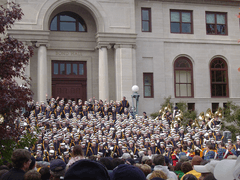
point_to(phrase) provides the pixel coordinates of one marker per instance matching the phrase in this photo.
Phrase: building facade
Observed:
(100, 48)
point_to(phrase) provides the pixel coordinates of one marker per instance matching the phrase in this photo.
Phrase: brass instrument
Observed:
(197, 148)
(208, 114)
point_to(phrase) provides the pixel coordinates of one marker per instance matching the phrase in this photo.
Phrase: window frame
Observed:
(78, 76)
(215, 17)
(184, 69)
(219, 69)
(78, 19)
(152, 85)
(150, 19)
(180, 11)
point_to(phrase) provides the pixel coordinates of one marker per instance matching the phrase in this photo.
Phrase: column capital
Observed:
(38, 44)
(99, 46)
(116, 46)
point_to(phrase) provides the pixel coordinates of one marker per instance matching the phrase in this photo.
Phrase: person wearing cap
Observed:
(57, 169)
(238, 147)
(229, 151)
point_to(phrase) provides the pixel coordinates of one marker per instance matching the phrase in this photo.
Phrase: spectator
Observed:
(33, 163)
(3, 171)
(197, 160)
(210, 177)
(57, 169)
(21, 160)
(190, 177)
(32, 175)
(45, 173)
(146, 169)
(159, 163)
(148, 162)
(186, 167)
(117, 162)
(159, 174)
(144, 159)
(178, 171)
(87, 170)
(77, 155)
(206, 169)
(127, 172)
(106, 162)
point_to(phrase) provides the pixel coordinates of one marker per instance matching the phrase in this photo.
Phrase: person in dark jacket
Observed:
(21, 160)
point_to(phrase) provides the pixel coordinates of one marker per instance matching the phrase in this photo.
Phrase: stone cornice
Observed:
(215, 2)
(30, 35)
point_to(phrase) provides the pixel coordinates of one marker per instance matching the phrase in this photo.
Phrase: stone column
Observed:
(124, 67)
(103, 73)
(42, 72)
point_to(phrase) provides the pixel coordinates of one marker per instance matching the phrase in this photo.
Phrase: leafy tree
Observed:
(231, 119)
(14, 57)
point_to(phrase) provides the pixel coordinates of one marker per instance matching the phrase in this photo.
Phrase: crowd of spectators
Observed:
(24, 167)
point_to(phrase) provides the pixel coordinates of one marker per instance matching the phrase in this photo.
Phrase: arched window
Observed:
(183, 77)
(219, 78)
(68, 21)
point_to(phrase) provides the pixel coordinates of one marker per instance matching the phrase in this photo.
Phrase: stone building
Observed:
(186, 49)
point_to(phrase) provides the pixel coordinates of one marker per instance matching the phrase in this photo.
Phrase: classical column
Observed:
(103, 73)
(125, 68)
(42, 72)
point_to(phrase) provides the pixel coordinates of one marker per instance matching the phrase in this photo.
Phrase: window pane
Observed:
(145, 15)
(66, 18)
(219, 90)
(189, 90)
(177, 90)
(175, 17)
(55, 68)
(147, 91)
(213, 89)
(75, 69)
(68, 69)
(145, 26)
(219, 76)
(186, 17)
(147, 80)
(175, 27)
(67, 26)
(53, 26)
(221, 29)
(81, 28)
(177, 76)
(186, 28)
(189, 77)
(210, 29)
(211, 18)
(183, 77)
(81, 69)
(62, 68)
(220, 19)
(183, 89)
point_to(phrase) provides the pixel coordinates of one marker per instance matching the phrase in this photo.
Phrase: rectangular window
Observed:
(181, 21)
(215, 107)
(146, 20)
(148, 85)
(75, 67)
(216, 23)
(68, 69)
(62, 68)
(191, 106)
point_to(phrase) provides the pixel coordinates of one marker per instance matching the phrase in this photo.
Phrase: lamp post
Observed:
(135, 96)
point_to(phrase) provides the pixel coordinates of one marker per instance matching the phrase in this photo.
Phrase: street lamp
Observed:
(135, 96)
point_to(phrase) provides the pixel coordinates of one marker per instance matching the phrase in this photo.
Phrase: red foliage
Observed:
(14, 56)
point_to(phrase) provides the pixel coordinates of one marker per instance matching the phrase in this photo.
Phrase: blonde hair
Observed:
(159, 174)
(146, 169)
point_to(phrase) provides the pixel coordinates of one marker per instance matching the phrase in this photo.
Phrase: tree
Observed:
(14, 57)
(231, 119)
